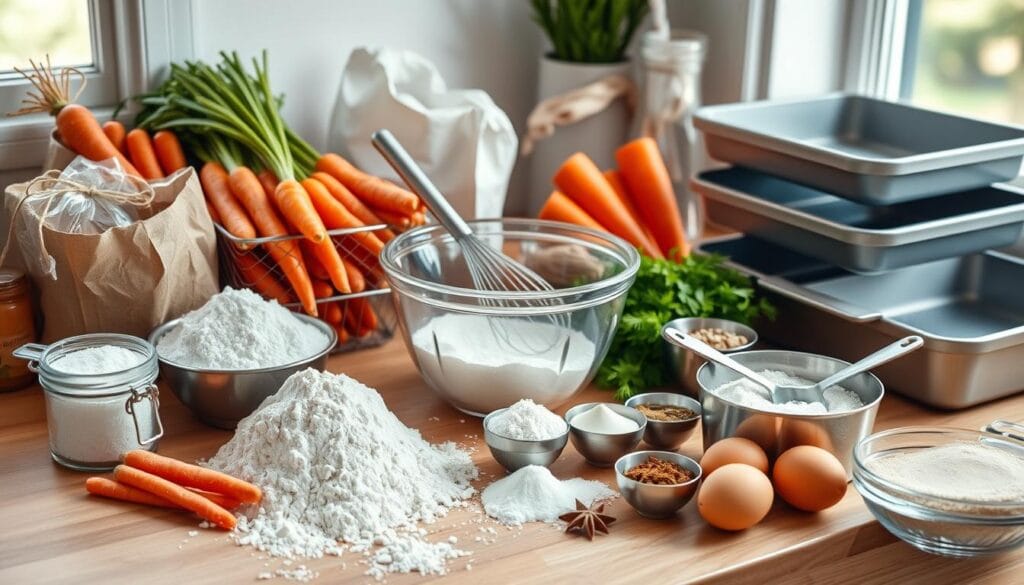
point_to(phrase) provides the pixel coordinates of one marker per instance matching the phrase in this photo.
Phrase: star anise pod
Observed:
(587, 520)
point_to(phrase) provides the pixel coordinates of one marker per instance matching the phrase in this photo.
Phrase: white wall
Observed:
(487, 44)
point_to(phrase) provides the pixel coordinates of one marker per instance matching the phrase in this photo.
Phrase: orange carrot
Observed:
(560, 208)
(418, 218)
(353, 204)
(342, 333)
(230, 214)
(313, 266)
(175, 494)
(193, 476)
(581, 180)
(115, 133)
(374, 191)
(140, 150)
(396, 220)
(322, 289)
(614, 179)
(360, 318)
(108, 488)
(336, 216)
(168, 151)
(79, 131)
(269, 181)
(356, 280)
(294, 204)
(258, 277)
(327, 251)
(332, 314)
(214, 216)
(644, 173)
(249, 192)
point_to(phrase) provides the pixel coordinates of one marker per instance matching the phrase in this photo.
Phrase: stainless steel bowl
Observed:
(836, 432)
(684, 364)
(516, 453)
(668, 435)
(603, 449)
(221, 398)
(651, 500)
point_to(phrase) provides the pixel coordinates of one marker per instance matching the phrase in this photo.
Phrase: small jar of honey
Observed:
(17, 327)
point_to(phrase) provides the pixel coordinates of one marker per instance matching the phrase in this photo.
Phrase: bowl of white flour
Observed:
(485, 350)
(732, 406)
(223, 359)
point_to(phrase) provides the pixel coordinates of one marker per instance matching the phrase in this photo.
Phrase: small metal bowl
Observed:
(516, 453)
(684, 363)
(668, 435)
(652, 500)
(221, 398)
(602, 449)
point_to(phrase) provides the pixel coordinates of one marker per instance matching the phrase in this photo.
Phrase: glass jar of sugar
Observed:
(101, 397)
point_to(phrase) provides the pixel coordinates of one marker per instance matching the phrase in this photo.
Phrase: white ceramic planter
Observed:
(598, 136)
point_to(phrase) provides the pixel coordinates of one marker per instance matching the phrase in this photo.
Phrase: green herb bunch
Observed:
(589, 31)
(700, 286)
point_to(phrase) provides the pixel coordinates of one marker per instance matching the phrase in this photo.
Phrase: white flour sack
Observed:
(336, 465)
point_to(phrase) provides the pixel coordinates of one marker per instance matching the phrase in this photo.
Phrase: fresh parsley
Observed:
(700, 286)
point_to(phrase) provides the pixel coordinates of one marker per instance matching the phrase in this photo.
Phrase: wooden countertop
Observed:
(52, 532)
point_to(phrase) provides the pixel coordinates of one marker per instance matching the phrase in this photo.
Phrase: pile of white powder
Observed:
(749, 393)
(527, 421)
(239, 330)
(103, 359)
(533, 494)
(335, 464)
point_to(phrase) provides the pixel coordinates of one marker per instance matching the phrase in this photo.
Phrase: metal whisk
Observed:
(489, 268)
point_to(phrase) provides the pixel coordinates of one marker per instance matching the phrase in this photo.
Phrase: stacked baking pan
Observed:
(868, 220)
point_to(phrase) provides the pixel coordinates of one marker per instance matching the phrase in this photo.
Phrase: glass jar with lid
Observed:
(17, 327)
(101, 397)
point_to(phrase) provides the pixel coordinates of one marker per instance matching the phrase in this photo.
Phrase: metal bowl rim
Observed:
(332, 337)
(873, 404)
(621, 475)
(696, 411)
(488, 431)
(568, 419)
(753, 338)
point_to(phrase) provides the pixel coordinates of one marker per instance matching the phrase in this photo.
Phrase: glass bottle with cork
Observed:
(17, 327)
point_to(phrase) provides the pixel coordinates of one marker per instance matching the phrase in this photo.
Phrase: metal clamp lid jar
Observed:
(93, 418)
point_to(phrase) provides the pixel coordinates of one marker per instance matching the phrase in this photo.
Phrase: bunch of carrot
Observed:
(263, 180)
(635, 201)
(155, 480)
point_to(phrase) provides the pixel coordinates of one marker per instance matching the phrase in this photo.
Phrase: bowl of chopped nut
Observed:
(657, 483)
(722, 334)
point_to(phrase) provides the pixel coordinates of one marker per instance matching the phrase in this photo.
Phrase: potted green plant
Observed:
(588, 42)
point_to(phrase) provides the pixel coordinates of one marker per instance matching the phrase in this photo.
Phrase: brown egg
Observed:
(734, 450)
(762, 429)
(736, 497)
(809, 478)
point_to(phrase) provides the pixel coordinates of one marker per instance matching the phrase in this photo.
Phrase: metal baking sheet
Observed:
(967, 309)
(861, 148)
(862, 238)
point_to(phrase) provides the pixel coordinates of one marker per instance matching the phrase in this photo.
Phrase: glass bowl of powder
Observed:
(952, 492)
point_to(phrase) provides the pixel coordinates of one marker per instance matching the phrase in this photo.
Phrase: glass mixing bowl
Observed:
(484, 350)
(940, 525)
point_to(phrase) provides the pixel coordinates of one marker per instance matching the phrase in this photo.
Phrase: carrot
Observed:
(108, 488)
(614, 179)
(79, 131)
(168, 151)
(322, 289)
(418, 218)
(115, 133)
(360, 318)
(268, 180)
(214, 216)
(313, 266)
(258, 277)
(342, 334)
(175, 494)
(140, 150)
(353, 204)
(332, 314)
(214, 180)
(327, 251)
(581, 181)
(356, 280)
(393, 219)
(560, 208)
(249, 192)
(336, 216)
(644, 173)
(374, 191)
(294, 204)
(193, 476)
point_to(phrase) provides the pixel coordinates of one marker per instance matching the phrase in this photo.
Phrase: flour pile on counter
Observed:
(335, 464)
(533, 494)
(527, 421)
(105, 359)
(748, 393)
(239, 330)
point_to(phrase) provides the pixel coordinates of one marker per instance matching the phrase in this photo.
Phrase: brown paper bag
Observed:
(130, 279)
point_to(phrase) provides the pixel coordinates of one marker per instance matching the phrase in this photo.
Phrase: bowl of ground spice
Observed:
(722, 334)
(657, 483)
(671, 418)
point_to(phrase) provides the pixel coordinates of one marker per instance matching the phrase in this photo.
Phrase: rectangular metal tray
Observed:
(858, 237)
(861, 148)
(968, 310)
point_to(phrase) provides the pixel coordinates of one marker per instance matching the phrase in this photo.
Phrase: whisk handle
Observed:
(400, 160)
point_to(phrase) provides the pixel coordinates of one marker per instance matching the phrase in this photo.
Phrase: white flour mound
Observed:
(240, 330)
(533, 494)
(336, 465)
